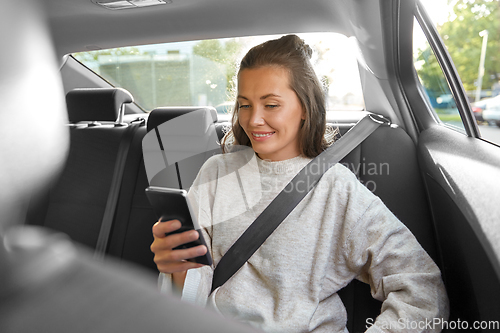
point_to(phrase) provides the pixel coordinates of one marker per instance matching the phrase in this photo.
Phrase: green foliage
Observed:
(211, 49)
(430, 73)
(226, 53)
(461, 37)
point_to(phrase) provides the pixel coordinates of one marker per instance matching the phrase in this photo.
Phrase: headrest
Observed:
(160, 115)
(176, 134)
(96, 104)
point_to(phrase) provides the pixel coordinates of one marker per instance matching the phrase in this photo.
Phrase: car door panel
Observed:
(465, 219)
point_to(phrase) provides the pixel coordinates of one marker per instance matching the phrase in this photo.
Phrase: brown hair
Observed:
(291, 53)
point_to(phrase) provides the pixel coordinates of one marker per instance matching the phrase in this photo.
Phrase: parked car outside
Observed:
(478, 108)
(491, 112)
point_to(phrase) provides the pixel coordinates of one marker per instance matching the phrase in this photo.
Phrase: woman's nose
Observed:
(257, 117)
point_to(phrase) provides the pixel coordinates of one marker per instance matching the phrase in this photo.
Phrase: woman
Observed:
(340, 230)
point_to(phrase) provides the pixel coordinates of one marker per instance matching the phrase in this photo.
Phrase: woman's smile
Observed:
(261, 136)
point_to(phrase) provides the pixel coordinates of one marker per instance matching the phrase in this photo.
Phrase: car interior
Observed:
(442, 183)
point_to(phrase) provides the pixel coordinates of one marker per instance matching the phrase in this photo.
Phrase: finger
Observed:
(172, 256)
(185, 254)
(162, 228)
(175, 240)
(171, 261)
(162, 246)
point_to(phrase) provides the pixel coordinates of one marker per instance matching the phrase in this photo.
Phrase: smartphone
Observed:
(173, 204)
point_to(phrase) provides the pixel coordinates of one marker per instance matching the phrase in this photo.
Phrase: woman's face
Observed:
(270, 112)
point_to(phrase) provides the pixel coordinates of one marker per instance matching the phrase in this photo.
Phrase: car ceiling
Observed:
(81, 25)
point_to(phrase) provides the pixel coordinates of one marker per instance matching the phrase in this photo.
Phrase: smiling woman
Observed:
(340, 231)
(436, 174)
(281, 102)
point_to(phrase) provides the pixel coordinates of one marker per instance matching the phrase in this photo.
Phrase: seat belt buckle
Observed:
(380, 119)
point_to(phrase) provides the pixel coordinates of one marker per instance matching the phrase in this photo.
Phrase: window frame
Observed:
(448, 68)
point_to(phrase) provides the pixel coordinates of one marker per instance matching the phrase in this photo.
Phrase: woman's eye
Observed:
(244, 106)
(272, 106)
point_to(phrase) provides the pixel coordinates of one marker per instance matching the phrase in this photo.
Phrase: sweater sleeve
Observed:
(385, 254)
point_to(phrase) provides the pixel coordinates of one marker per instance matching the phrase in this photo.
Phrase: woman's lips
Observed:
(262, 136)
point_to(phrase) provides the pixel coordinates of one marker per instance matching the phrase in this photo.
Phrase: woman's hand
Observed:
(175, 261)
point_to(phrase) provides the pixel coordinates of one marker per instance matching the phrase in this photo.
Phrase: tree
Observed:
(461, 37)
(227, 53)
(211, 49)
(430, 73)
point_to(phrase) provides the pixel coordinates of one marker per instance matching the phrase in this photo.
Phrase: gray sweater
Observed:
(339, 232)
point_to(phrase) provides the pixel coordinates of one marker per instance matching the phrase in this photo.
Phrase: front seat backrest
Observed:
(179, 141)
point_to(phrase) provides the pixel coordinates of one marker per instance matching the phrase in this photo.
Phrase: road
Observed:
(490, 133)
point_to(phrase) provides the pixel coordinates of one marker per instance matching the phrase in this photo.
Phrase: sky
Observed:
(437, 9)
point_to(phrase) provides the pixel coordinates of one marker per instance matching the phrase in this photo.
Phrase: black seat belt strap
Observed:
(289, 198)
(114, 191)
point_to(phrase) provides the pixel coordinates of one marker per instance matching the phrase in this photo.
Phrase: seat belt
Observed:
(114, 191)
(286, 201)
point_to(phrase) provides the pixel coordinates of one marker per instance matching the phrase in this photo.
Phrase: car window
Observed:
(434, 82)
(203, 72)
(470, 31)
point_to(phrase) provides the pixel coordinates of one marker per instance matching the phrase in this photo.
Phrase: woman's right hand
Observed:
(173, 261)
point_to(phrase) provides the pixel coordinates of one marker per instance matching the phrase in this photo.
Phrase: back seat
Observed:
(76, 203)
(386, 163)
